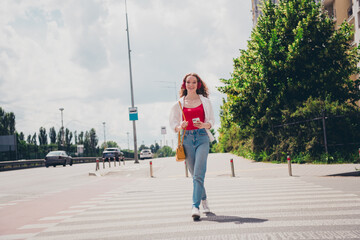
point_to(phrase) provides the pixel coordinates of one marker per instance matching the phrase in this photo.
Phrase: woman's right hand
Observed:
(183, 124)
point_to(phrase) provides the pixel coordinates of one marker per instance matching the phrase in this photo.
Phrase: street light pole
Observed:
(62, 126)
(131, 87)
(128, 140)
(104, 136)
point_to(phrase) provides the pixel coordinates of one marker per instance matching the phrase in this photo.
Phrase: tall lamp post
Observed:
(128, 140)
(62, 126)
(131, 87)
(104, 136)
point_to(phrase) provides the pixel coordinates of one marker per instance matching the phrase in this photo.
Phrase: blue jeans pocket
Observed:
(202, 132)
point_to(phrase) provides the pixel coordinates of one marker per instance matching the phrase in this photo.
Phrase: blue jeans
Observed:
(196, 146)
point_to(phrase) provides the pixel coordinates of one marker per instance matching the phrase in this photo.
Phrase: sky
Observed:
(74, 55)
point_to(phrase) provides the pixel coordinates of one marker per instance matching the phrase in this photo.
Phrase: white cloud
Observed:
(73, 54)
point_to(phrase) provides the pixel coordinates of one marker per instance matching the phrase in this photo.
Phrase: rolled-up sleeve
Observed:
(211, 119)
(209, 112)
(175, 116)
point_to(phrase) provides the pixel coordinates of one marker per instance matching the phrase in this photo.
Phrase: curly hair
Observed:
(203, 90)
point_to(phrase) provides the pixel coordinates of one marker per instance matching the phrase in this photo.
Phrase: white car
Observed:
(146, 153)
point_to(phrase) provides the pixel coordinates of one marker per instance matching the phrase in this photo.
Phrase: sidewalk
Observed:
(219, 165)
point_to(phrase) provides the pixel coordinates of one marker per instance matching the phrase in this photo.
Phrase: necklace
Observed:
(191, 103)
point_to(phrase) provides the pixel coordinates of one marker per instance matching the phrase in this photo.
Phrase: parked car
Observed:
(110, 153)
(54, 158)
(146, 153)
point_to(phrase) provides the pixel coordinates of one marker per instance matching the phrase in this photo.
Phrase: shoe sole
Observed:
(195, 217)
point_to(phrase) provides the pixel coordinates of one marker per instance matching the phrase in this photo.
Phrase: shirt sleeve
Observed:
(209, 113)
(175, 116)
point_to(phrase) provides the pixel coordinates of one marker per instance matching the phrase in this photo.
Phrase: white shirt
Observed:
(176, 114)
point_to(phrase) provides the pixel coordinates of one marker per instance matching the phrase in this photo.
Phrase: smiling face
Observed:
(191, 84)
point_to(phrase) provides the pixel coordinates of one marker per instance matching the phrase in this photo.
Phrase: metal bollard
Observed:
(114, 161)
(232, 168)
(186, 170)
(103, 163)
(289, 165)
(109, 162)
(151, 170)
(97, 165)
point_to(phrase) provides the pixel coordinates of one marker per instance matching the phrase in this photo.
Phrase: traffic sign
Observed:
(133, 113)
(163, 130)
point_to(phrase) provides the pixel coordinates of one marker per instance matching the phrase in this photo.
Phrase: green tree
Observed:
(81, 138)
(213, 144)
(75, 137)
(33, 139)
(60, 136)
(7, 123)
(154, 148)
(28, 139)
(87, 146)
(90, 142)
(109, 144)
(21, 136)
(43, 136)
(165, 151)
(93, 139)
(52, 135)
(68, 137)
(143, 147)
(294, 54)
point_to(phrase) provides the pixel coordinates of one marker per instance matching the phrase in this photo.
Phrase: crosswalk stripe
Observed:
(260, 209)
(141, 230)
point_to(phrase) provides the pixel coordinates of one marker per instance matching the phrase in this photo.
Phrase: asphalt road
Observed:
(261, 202)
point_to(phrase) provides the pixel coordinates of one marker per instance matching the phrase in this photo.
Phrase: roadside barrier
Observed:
(289, 165)
(35, 163)
(103, 161)
(186, 170)
(151, 170)
(232, 168)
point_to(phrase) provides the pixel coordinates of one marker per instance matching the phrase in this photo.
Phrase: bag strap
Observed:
(185, 127)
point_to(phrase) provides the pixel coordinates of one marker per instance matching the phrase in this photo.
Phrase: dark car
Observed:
(111, 153)
(54, 158)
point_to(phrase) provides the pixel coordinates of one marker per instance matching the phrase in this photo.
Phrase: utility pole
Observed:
(104, 136)
(128, 140)
(324, 130)
(131, 87)
(62, 127)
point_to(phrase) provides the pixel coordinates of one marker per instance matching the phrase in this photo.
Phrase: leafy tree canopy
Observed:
(294, 53)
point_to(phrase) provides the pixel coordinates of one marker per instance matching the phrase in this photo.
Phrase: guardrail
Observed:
(22, 164)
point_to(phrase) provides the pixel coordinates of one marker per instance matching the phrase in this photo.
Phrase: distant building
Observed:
(347, 10)
(256, 12)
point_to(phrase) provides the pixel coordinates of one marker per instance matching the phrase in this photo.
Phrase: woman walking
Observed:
(199, 118)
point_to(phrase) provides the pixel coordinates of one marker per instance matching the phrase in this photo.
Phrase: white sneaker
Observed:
(195, 213)
(205, 205)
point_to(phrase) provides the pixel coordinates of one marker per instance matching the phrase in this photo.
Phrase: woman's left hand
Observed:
(200, 124)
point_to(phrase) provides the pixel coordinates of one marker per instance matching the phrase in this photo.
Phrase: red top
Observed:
(190, 113)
